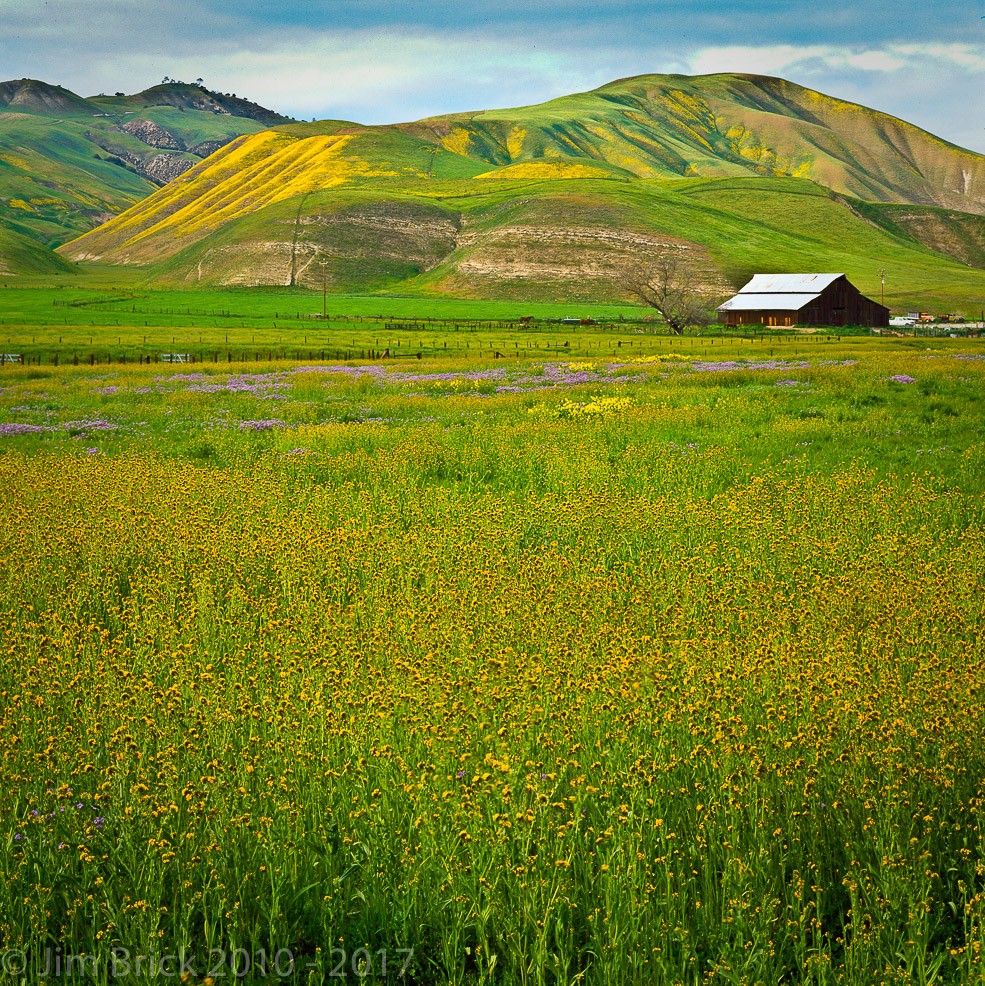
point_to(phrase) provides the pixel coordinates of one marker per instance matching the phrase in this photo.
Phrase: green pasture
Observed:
(456, 385)
(113, 322)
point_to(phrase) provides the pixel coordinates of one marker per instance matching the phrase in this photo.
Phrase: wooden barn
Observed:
(802, 299)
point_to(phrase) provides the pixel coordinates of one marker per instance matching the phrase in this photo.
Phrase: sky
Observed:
(388, 61)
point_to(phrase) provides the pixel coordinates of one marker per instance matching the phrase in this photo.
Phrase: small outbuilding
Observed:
(802, 299)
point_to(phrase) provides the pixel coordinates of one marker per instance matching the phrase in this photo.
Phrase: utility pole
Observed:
(324, 288)
(882, 289)
(434, 150)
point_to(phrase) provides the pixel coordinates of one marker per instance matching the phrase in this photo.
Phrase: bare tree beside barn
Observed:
(671, 283)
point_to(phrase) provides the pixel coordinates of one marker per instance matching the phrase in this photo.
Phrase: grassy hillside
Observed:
(258, 171)
(182, 97)
(67, 163)
(727, 125)
(956, 234)
(55, 182)
(271, 209)
(21, 254)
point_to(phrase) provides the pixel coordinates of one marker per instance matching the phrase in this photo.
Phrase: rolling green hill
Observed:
(551, 201)
(21, 254)
(68, 163)
(548, 239)
(956, 234)
(727, 125)
(747, 173)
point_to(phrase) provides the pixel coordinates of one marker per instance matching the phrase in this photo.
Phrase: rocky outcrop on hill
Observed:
(159, 168)
(208, 147)
(153, 135)
(57, 150)
(163, 168)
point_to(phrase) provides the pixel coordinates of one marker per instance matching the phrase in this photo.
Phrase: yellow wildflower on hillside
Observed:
(514, 142)
(458, 141)
(545, 171)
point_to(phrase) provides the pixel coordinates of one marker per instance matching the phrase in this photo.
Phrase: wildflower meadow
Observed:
(651, 670)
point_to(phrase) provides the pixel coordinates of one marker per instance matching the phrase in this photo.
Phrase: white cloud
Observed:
(872, 61)
(777, 59)
(965, 55)
(369, 76)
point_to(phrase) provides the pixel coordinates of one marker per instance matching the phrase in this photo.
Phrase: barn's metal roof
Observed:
(789, 283)
(743, 302)
(778, 292)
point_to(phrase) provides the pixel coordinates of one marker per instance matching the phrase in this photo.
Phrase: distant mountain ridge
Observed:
(68, 162)
(34, 96)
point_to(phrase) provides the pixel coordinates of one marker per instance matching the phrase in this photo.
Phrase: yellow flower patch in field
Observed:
(579, 689)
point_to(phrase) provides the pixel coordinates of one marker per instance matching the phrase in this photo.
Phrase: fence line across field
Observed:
(696, 346)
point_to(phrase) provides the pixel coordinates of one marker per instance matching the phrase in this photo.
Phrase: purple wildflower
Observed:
(267, 424)
(15, 428)
(96, 424)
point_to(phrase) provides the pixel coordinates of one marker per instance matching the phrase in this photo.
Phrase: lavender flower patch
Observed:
(87, 427)
(183, 378)
(263, 425)
(562, 375)
(731, 365)
(902, 378)
(683, 450)
(36, 411)
(15, 428)
(545, 376)
(257, 384)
